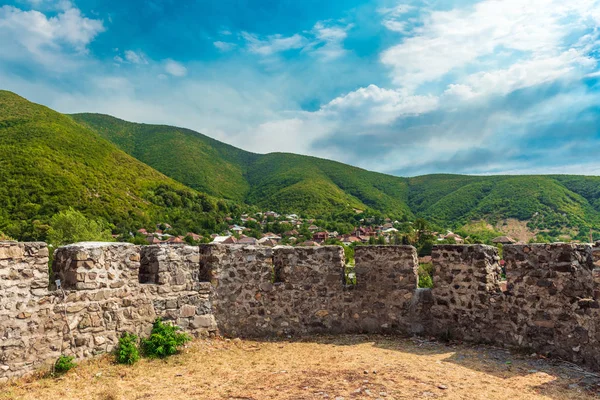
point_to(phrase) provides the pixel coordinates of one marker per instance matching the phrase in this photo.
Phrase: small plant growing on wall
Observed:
(127, 350)
(426, 275)
(64, 364)
(164, 340)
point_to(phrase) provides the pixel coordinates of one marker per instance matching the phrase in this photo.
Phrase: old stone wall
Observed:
(466, 287)
(549, 304)
(29, 330)
(260, 291)
(101, 297)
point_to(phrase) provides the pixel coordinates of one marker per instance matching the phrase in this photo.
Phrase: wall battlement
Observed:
(549, 305)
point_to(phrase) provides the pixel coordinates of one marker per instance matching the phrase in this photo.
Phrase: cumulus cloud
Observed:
(459, 38)
(374, 105)
(40, 36)
(174, 68)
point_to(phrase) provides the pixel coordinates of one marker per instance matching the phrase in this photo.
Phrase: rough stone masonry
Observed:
(550, 304)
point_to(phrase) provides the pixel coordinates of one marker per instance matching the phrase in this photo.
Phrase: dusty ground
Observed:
(347, 367)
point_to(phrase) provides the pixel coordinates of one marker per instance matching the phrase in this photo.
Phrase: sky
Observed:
(401, 87)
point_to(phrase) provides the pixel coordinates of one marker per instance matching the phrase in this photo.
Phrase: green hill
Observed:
(286, 182)
(48, 162)
(135, 174)
(547, 202)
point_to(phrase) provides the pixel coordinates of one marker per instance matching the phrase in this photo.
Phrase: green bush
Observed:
(164, 340)
(64, 364)
(127, 350)
(426, 275)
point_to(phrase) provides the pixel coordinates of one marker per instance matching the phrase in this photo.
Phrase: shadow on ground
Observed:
(562, 378)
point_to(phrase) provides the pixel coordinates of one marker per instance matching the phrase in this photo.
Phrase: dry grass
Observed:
(516, 229)
(352, 367)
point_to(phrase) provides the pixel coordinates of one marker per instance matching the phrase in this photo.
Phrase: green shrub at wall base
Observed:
(164, 340)
(64, 364)
(127, 350)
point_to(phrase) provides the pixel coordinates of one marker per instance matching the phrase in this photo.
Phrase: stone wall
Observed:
(259, 291)
(29, 330)
(101, 297)
(549, 305)
(466, 287)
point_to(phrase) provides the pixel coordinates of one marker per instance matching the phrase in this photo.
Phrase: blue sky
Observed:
(402, 87)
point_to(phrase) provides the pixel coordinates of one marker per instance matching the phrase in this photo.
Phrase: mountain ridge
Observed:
(131, 174)
(291, 182)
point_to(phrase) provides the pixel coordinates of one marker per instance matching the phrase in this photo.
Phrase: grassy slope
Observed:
(191, 158)
(288, 182)
(49, 162)
(548, 201)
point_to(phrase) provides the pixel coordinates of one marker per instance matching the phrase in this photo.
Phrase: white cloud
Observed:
(36, 30)
(174, 68)
(135, 58)
(273, 44)
(224, 46)
(450, 40)
(521, 75)
(48, 39)
(375, 105)
(394, 17)
(328, 40)
(324, 40)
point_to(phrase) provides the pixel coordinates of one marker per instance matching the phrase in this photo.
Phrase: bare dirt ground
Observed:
(346, 367)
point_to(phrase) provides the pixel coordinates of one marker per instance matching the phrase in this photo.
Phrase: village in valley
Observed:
(293, 230)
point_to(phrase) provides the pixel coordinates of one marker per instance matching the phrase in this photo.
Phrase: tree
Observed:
(70, 226)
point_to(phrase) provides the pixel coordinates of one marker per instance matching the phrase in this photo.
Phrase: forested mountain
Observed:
(289, 182)
(49, 162)
(132, 175)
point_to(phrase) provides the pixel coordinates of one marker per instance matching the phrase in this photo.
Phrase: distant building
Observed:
(225, 240)
(247, 240)
(350, 239)
(195, 237)
(152, 240)
(320, 236)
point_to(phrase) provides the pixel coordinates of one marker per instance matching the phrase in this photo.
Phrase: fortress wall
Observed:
(549, 305)
(29, 329)
(101, 297)
(465, 291)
